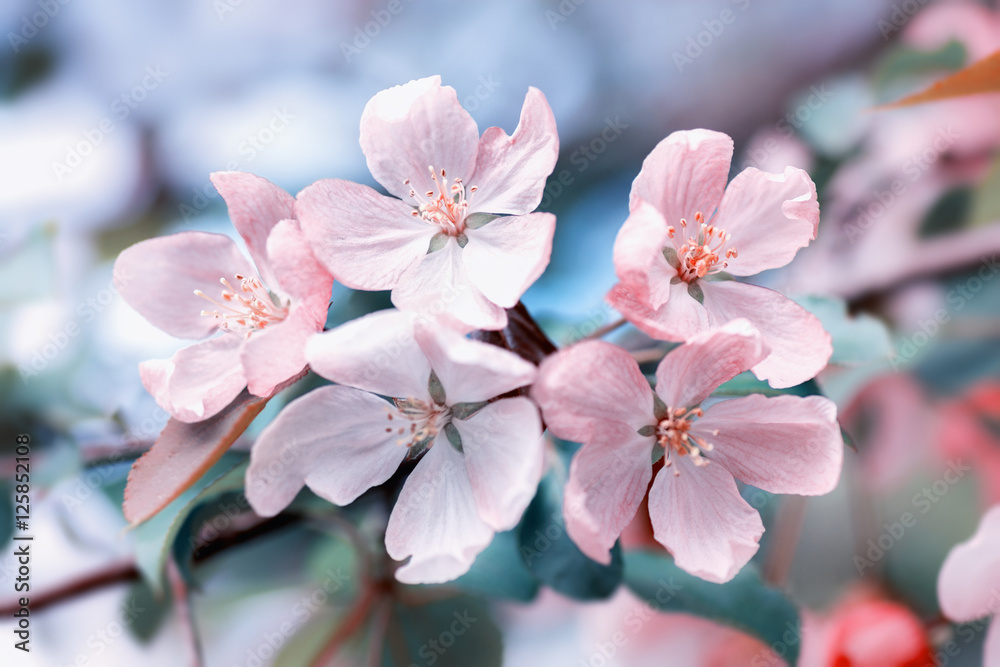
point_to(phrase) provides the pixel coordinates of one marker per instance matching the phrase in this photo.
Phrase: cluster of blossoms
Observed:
(457, 243)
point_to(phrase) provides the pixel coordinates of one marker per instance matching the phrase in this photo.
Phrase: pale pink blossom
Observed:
(195, 284)
(594, 393)
(436, 243)
(479, 464)
(969, 582)
(687, 232)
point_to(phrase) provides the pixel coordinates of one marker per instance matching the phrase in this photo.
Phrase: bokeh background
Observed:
(113, 114)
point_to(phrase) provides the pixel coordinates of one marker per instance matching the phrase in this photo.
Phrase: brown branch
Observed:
(124, 571)
(182, 606)
(601, 332)
(788, 529)
(345, 630)
(115, 573)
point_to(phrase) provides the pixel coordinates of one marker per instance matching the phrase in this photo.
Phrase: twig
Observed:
(182, 606)
(784, 542)
(345, 630)
(124, 571)
(119, 572)
(601, 332)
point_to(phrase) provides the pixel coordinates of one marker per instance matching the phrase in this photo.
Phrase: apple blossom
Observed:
(594, 393)
(265, 315)
(969, 582)
(480, 460)
(437, 243)
(687, 232)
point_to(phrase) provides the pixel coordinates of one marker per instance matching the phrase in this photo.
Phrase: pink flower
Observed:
(969, 582)
(594, 393)
(865, 630)
(479, 464)
(683, 233)
(194, 284)
(435, 246)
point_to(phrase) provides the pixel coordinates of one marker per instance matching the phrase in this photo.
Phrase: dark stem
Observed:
(182, 607)
(125, 571)
(788, 529)
(601, 332)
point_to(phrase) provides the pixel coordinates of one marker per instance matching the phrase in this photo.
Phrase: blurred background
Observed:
(113, 115)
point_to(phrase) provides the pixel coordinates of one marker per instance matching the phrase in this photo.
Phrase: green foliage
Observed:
(551, 555)
(744, 603)
(155, 537)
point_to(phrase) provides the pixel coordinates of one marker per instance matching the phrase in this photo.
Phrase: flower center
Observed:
(247, 309)
(422, 422)
(447, 208)
(703, 253)
(673, 434)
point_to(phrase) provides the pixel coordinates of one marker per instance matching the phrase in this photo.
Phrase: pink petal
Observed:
(435, 521)
(278, 352)
(770, 216)
(296, 269)
(198, 381)
(376, 353)
(608, 479)
(408, 128)
(684, 174)
(590, 383)
(438, 285)
(158, 278)
(799, 346)
(511, 171)
(701, 519)
(333, 439)
(783, 444)
(639, 260)
(969, 582)
(689, 373)
(364, 239)
(507, 255)
(255, 207)
(471, 371)
(678, 318)
(504, 454)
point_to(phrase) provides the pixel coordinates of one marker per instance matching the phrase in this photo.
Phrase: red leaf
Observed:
(977, 78)
(182, 454)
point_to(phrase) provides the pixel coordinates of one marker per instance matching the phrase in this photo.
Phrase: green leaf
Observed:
(907, 63)
(745, 384)
(744, 603)
(949, 214)
(154, 537)
(552, 556)
(456, 632)
(986, 198)
(152, 610)
(499, 572)
(856, 340)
